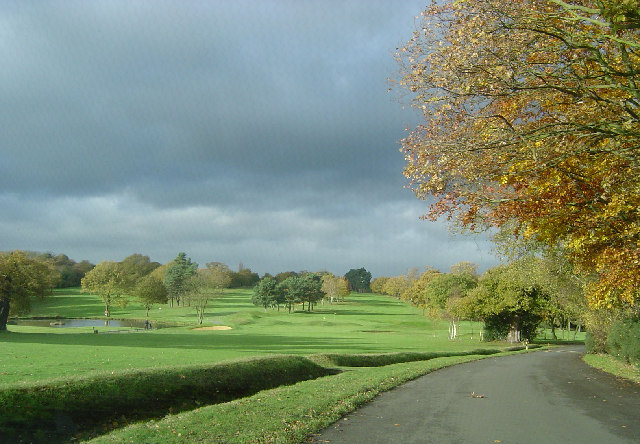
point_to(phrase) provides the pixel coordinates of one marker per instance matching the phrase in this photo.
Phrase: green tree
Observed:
(265, 293)
(413, 291)
(443, 291)
(310, 290)
(290, 291)
(359, 279)
(70, 271)
(22, 278)
(395, 286)
(150, 290)
(78, 271)
(510, 301)
(243, 278)
(176, 276)
(109, 281)
(137, 266)
(284, 275)
(206, 284)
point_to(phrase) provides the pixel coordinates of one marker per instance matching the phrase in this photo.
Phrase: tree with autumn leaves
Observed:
(532, 121)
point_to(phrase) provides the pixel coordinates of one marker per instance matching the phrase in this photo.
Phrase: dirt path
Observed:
(542, 397)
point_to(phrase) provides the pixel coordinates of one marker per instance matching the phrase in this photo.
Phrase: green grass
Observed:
(364, 324)
(40, 367)
(283, 415)
(84, 405)
(610, 364)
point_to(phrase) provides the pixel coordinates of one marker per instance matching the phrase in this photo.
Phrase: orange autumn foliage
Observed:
(532, 115)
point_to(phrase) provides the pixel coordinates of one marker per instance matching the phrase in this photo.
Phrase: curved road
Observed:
(542, 397)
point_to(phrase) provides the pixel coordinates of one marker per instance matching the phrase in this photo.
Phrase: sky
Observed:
(255, 132)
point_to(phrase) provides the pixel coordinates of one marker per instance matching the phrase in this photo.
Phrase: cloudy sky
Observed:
(259, 132)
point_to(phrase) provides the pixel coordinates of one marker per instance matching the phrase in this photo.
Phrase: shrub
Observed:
(598, 324)
(623, 341)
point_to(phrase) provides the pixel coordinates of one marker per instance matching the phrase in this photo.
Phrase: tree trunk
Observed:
(453, 330)
(4, 313)
(514, 332)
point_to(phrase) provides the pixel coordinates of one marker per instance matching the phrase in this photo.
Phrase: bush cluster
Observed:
(623, 341)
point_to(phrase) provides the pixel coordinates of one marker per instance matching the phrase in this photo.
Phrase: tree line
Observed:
(512, 300)
(303, 288)
(290, 288)
(180, 282)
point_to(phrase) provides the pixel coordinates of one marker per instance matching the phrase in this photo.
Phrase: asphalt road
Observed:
(541, 397)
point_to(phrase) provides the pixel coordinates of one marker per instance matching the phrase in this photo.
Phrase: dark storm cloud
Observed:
(108, 94)
(258, 126)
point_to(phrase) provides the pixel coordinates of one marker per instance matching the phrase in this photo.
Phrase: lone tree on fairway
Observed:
(206, 284)
(359, 280)
(110, 282)
(20, 279)
(149, 291)
(176, 276)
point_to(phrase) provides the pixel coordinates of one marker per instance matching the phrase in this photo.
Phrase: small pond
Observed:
(66, 323)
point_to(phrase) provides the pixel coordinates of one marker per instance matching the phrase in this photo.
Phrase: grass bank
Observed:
(71, 409)
(60, 410)
(610, 364)
(282, 415)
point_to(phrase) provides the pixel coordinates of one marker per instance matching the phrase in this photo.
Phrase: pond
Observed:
(67, 323)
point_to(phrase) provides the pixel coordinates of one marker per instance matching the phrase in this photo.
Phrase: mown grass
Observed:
(112, 379)
(283, 415)
(363, 324)
(610, 364)
(58, 410)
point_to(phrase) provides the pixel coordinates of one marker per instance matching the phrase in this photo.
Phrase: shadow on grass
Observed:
(557, 342)
(206, 340)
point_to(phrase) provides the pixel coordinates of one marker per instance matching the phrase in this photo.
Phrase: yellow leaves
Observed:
(521, 126)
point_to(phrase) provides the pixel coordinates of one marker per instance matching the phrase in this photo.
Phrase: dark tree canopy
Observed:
(359, 280)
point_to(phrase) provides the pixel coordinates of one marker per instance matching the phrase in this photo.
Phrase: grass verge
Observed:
(614, 366)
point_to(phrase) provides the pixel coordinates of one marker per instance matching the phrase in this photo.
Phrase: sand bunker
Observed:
(217, 327)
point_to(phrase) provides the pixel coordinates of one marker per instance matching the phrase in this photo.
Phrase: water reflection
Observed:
(70, 323)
